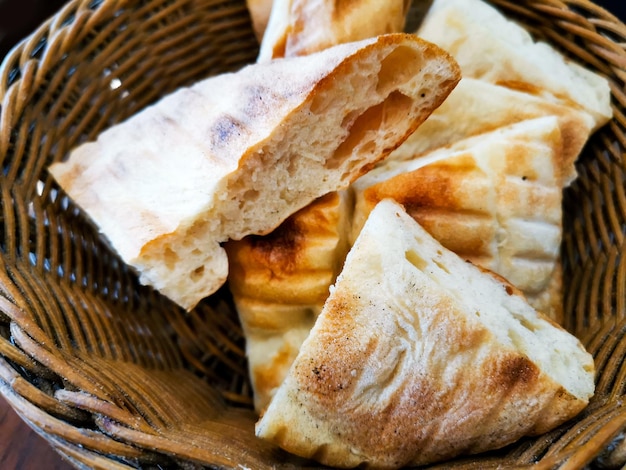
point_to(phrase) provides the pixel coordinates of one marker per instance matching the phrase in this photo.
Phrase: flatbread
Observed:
(475, 107)
(238, 153)
(300, 27)
(272, 279)
(279, 283)
(494, 199)
(419, 356)
(490, 47)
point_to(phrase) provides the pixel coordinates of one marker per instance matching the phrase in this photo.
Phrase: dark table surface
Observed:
(23, 449)
(20, 447)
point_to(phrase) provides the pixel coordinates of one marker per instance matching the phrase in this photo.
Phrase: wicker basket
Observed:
(115, 376)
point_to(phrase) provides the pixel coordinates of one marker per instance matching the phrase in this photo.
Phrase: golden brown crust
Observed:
(453, 199)
(233, 155)
(295, 263)
(419, 356)
(279, 284)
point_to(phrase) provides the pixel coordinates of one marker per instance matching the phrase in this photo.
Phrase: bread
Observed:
(419, 356)
(260, 11)
(238, 153)
(490, 47)
(300, 27)
(494, 199)
(475, 107)
(279, 283)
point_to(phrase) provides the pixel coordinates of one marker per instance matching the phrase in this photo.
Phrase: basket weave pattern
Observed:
(115, 376)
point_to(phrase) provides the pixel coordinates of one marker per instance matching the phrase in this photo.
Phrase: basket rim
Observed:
(23, 70)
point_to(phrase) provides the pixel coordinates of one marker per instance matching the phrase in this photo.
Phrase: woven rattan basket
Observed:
(115, 376)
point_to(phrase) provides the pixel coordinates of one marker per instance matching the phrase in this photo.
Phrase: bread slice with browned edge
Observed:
(280, 281)
(238, 153)
(419, 356)
(494, 199)
(476, 107)
(301, 27)
(493, 48)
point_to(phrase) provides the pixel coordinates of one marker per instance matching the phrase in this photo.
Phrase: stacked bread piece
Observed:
(300, 27)
(276, 325)
(419, 356)
(280, 281)
(237, 153)
(492, 48)
(495, 199)
(348, 142)
(484, 175)
(507, 78)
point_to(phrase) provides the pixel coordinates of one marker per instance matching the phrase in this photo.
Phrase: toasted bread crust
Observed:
(419, 356)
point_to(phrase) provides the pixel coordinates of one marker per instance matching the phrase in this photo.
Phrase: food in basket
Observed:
(275, 326)
(419, 356)
(475, 107)
(238, 153)
(494, 199)
(300, 27)
(279, 283)
(522, 249)
(492, 48)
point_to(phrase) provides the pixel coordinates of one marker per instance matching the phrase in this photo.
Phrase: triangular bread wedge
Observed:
(279, 283)
(301, 27)
(238, 153)
(490, 47)
(475, 107)
(494, 199)
(420, 356)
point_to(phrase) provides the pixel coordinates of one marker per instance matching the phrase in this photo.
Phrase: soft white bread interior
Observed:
(280, 281)
(238, 153)
(301, 27)
(476, 107)
(490, 47)
(494, 199)
(419, 356)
